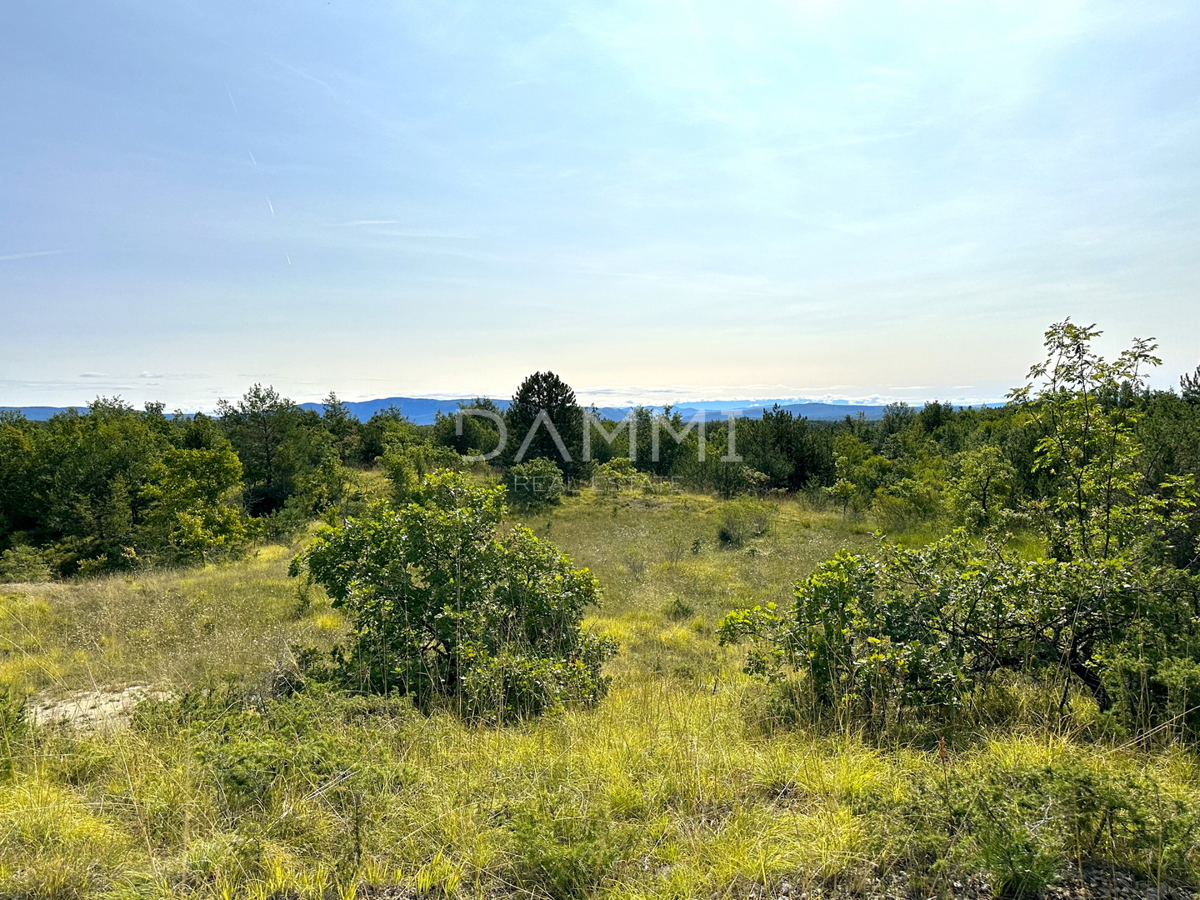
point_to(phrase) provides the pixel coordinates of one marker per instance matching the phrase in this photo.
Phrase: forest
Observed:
(754, 657)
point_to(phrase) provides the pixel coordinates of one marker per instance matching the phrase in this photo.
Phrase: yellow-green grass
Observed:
(168, 628)
(674, 786)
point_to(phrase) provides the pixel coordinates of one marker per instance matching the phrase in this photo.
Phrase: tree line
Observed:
(115, 487)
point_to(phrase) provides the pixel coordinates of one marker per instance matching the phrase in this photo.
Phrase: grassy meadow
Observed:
(687, 781)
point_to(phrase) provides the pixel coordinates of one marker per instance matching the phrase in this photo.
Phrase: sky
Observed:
(658, 200)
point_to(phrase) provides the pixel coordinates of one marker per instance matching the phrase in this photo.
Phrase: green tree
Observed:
(85, 477)
(545, 399)
(1189, 387)
(475, 436)
(1090, 447)
(289, 457)
(980, 487)
(16, 457)
(786, 449)
(195, 510)
(376, 432)
(259, 426)
(343, 426)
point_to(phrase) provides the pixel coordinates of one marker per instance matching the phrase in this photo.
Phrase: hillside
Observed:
(685, 782)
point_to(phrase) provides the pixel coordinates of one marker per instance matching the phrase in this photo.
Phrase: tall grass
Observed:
(682, 783)
(158, 626)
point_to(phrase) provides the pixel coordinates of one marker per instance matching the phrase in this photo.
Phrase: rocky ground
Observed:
(92, 710)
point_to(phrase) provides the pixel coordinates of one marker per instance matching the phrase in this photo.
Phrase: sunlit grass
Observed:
(677, 785)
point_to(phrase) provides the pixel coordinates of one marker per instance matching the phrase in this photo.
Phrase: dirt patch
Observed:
(93, 710)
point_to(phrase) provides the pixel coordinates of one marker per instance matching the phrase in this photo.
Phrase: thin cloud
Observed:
(30, 255)
(295, 70)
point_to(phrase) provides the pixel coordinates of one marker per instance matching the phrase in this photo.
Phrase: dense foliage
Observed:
(113, 487)
(442, 605)
(1105, 606)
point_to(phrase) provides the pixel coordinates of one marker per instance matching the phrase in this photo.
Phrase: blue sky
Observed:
(658, 200)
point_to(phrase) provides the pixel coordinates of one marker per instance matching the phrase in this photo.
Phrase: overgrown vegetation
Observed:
(440, 606)
(1000, 686)
(919, 633)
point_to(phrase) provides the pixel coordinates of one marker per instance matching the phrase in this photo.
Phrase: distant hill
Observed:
(421, 410)
(39, 413)
(424, 410)
(753, 409)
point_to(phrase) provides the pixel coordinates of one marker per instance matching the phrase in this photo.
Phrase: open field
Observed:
(682, 783)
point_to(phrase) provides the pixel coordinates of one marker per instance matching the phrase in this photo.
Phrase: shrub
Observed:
(536, 483)
(440, 606)
(617, 475)
(916, 633)
(407, 464)
(23, 564)
(979, 491)
(906, 504)
(743, 520)
(565, 853)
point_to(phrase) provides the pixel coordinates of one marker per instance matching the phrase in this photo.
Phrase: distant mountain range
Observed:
(35, 413)
(424, 410)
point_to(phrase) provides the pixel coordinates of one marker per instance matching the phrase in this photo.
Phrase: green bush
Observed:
(915, 634)
(618, 475)
(407, 464)
(442, 606)
(23, 564)
(538, 482)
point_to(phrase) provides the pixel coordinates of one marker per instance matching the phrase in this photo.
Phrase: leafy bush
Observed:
(193, 498)
(441, 606)
(905, 504)
(617, 475)
(915, 633)
(980, 488)
(535, 483)
(408, 462)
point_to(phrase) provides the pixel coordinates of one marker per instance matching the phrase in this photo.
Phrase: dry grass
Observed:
(673, 787)
(167, 628)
